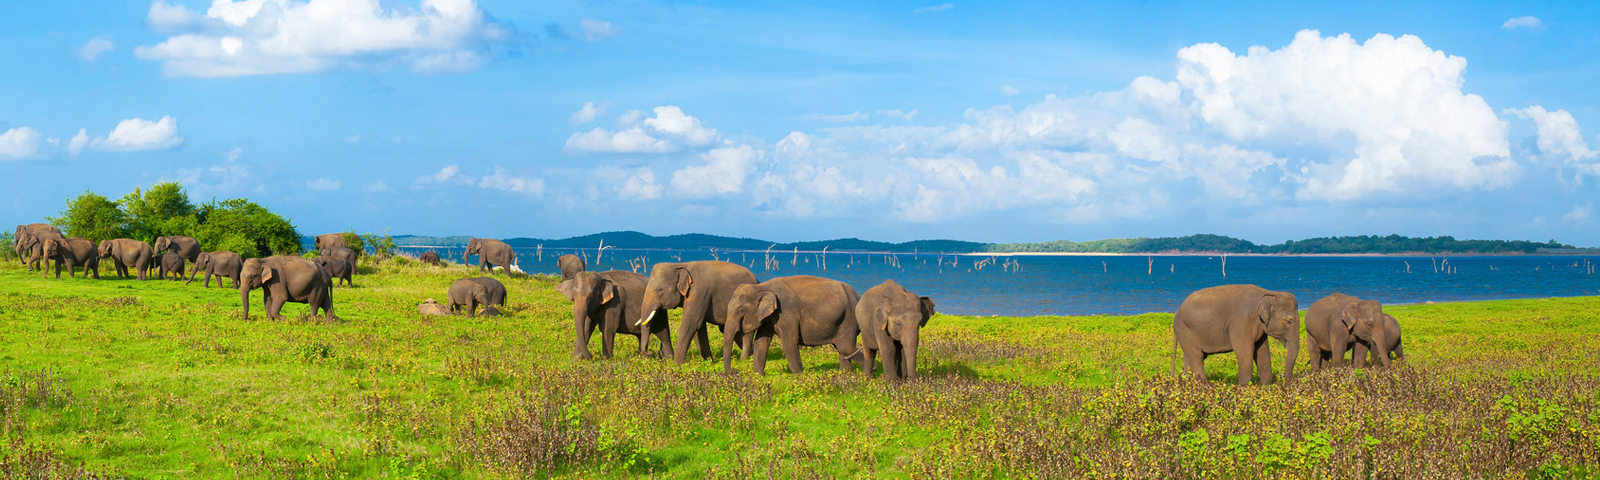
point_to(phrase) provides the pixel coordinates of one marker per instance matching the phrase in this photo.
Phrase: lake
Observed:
(1123, 285)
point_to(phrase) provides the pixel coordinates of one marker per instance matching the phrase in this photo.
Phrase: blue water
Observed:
(1121, 285)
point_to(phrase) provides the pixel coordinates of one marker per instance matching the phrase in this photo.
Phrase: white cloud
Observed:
(322, 184)
(502, 180)
(636, 184)
(669, 130)
(588, 113)
(75, 146)
(95, 47)
(448, 174)
(1558, 133)
(596, 30)
(1522, 22)
(1009, 90)
(136, 134)
(376, 186)
(255, 37)
(1579, 213)
(724, 172)
(907, 116)
(848, 117)
(19, 143)
(934, 8)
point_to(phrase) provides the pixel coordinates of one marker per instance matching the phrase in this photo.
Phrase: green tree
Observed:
(162, 210)
(92, 216)
(241, 226)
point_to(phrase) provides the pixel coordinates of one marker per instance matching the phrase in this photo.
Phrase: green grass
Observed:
(155, 379)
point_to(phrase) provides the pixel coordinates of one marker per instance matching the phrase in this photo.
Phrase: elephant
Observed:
(570, 266)
(171, 263)
(891, 319)
(337, 268)
(491, 253)
(328, 240)
(185, 247)
(702, 289)
(1337, 321)
(285, 278)
(1391, 331)
(429, 257)
(471, 292)
(1238, 319)
(127, 252)
(33, 243)
(341, 253)
(221, 263)
(801, 310)
(608, 301)
(73, 252)
(29, 248)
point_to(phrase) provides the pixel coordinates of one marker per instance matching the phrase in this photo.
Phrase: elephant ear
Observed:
(266, 273)
(1264, 308)
(927, 310)
(608, 291)
(767, 306)
(1347, 317)
(684, 281)
(569, 289)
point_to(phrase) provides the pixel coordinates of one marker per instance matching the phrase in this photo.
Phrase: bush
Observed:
(93, 217)
(245, 228)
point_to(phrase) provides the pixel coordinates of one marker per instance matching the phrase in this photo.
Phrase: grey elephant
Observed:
(283, 279)
(491, 253)
(170, 264)
(1391, 331)
(608, 302)
(472, 292)
(221, 263)
(702, 289)
(185, 247)
(1238, 319)
(570, 266)
(72, 253)
(328, 240)
(28, 245)
(429, 257)
(127, 252)
(338, 269)
(891, 320)
(801, 310)
(342, 253)
(1336, 322)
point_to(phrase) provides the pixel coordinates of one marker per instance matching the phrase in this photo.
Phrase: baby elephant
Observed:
(171, 263)
(221, 263)
(471, 292)
(1391, 331)
(1338, 322)
(891, 319)
(429, 257)
(337, 268)
(608, 301)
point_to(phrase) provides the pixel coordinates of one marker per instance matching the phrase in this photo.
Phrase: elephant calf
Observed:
(73, 253)
(337, 268)
(1338, 321)
(800, 310)
(891, 318)
(471, 292)
(1391, 331)
(220, 263)
(609, 301)
(429, 257)
(171, 264)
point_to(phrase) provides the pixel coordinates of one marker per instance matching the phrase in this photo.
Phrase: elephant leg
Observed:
(1399, 351)
(763, 344)
(891, 358)
(1264, 360)
(609, 331)
(1246, 357)
(693, 320)
(791, 350)
(580, 338)
(703, 338)
(1192, 360)
(869, 361)
(1359, 358)
(1337, 348)
(665, 334)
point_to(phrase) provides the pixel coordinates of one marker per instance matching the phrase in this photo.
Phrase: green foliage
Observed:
(8, 242)
(353, 241)
(379, 246)
(160, 211)
(243, 227)
(93, 217)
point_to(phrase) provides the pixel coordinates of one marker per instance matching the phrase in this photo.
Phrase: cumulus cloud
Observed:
(596, 30)
(934, 8)
(1522, 22)
(667, 131)
(907, 116)
(724, 172)
(1559, 135)
(322, 184)
(19, 143)
(95, 47)
(134, 134)
(497, 178)
(255, 37)
(1579, 213)
(632, 184)
(848, 117)
(1009, 90)
(588, 113)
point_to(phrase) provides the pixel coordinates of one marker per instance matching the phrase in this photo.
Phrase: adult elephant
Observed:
(28, 247)
(1391, 331)
(73, 253)
(33, 245)
(801, 310)
(609, 301)
(329, 240)
(891, 320)
(283, 279)
(1336, 322)
(702, 289)
(221, 263)
(570, 265)
(491, 253)
(186, 247)
(1238, 319)
(471, 292)
(127, 252)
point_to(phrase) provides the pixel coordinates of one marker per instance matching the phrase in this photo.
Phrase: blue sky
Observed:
(983, 121)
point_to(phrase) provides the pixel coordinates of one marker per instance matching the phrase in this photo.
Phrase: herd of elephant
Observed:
(799, 310)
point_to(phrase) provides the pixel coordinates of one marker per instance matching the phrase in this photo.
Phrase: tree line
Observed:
(164, 209)
(1321, 245)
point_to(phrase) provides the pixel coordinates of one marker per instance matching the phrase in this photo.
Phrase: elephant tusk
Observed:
(646, 319)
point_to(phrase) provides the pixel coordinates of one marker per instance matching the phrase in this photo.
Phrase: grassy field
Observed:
(154, 379)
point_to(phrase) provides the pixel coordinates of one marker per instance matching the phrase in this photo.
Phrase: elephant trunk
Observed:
(580, 324)
(649, 306)
(1380, 346)
(727, 344)
(1293, 356)
(244, 300)
(908, 356)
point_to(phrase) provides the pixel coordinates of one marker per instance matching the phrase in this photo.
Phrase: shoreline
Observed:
(1050, 254)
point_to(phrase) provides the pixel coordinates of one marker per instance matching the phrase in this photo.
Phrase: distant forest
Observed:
(1191, 244)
